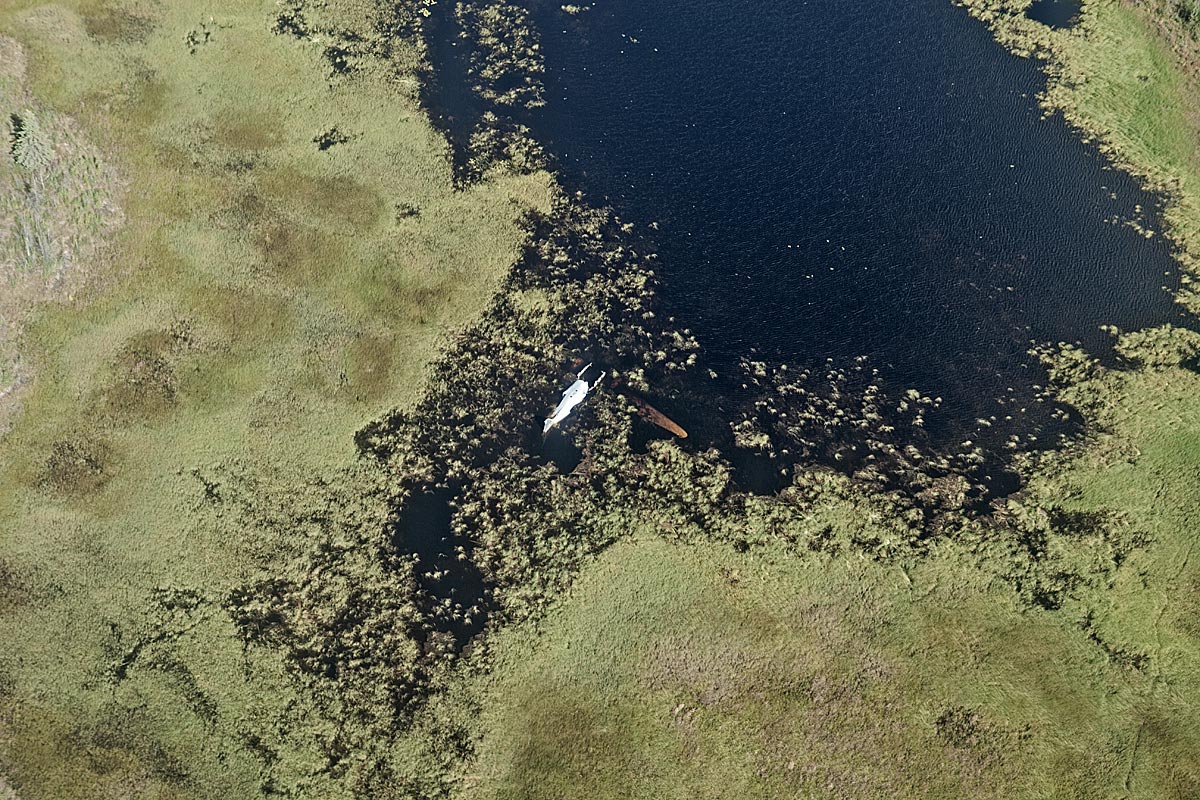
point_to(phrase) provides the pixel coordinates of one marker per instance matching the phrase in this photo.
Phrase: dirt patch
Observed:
(59, 201)
(297, 251)
(371, 360)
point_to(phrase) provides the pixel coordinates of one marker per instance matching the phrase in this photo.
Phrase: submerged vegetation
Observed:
(219, 577)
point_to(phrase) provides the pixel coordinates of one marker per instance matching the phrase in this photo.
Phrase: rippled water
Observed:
(834, 179)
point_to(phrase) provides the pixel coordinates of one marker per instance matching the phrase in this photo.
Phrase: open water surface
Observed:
(825, 180)
(1055, 13)
(833, 179)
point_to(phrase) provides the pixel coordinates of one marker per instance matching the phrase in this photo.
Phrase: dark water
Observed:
(1055, 13)
(424, 530)
(835, 179)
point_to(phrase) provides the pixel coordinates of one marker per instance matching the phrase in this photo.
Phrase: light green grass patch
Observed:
(676, 671)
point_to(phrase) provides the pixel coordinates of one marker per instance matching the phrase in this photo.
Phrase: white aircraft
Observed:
(573, 396)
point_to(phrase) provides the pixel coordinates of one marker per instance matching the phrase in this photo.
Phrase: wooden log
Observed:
(652, 414)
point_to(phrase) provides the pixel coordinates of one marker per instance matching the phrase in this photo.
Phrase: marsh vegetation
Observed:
(263, 299)
(278, 521)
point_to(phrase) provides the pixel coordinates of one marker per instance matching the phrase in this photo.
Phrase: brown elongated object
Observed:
(649, 412)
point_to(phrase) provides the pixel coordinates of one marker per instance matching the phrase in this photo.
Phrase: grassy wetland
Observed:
(292, 254)
(262, 310)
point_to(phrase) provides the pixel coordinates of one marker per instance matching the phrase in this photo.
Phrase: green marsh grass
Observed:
(675, 670)
(262, 299)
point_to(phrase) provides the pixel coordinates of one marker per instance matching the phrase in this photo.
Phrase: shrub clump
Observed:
(1161, 347)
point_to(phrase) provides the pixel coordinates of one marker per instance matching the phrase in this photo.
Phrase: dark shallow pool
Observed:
(1055, 13)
